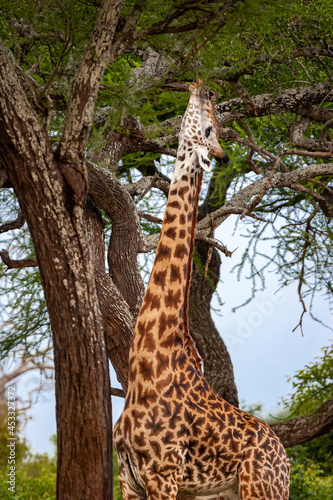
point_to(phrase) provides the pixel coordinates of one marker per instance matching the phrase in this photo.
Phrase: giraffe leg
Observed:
(131, 494)
(129, 487)
(161, 488)
(260, 490)
(259, 480)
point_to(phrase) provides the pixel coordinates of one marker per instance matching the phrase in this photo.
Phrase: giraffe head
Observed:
(200, 128)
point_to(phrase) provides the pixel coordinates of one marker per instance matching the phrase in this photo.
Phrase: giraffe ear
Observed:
(204, 161)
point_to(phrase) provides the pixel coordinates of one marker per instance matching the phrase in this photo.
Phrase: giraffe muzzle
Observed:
(226, 160)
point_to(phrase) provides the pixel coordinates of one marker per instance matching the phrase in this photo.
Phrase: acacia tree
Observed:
(91, 99)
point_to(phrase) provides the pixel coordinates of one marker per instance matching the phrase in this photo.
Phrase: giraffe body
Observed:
(175, 433)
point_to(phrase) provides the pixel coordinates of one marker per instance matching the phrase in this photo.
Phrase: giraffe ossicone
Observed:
(175, 433)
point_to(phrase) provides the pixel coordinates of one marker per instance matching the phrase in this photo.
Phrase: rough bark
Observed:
(299, 430)
(117, 318)
(79, 116)
(296, 100)
(56, 225)
(110, 195)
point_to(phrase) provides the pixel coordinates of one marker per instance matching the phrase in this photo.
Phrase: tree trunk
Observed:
(56, 224)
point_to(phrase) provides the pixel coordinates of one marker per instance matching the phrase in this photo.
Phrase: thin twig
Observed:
(257, 199)
(214, 243)
(209, 258)
(327, 188)
(151, 218)
(301, 278)
(317, 154)
(263, 152)
(251, 138)
(48, 84)
(145, 191)
(252, 164)
(323, 133)
(244, 95)
(208, 38)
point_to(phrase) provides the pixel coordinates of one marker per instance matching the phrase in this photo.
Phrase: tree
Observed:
(91, 98)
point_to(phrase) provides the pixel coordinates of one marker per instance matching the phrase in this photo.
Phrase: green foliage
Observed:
(312, 469)
(35, 479)
(20, 444)
(35, 476)
(266, 39)
(116, 486)
(312, 462)
(23, 315)
(312, 386)
(49, 30)
(320, 450)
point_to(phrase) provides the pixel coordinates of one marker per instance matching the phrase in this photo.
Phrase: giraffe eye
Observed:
(208, 131)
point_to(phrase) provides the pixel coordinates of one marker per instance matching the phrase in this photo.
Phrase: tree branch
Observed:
(150, 218)
(286, 179)
(136, 188)
(79, 117)
(14, 224)
(109, 195)
(299, 100)
(164, 26)
(317, 154)
(299, 430)
(212, 242)
(15, 264)
(234, 72)
(118, 320)
(120, 393)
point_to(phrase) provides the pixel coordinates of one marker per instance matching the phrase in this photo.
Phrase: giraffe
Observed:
(175, 433)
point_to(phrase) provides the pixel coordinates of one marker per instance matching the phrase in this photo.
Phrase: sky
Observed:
(259, 336)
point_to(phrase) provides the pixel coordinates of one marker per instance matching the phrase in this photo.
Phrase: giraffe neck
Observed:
(162, 325)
